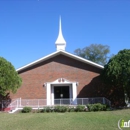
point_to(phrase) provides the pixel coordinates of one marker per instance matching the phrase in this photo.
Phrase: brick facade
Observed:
(57, 67)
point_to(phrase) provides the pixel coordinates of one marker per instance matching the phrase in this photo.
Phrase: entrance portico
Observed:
(61, 89)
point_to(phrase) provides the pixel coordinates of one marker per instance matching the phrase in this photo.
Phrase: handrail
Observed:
(14, 104)
(39, 103)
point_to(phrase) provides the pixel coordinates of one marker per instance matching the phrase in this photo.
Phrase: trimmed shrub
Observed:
(61, 108)
(26, 110)
(47, 109)
(38, 110)
(104, 107)
(71, 109)
(90, 107)
(43, 110)
(80, 108)
(96, 107)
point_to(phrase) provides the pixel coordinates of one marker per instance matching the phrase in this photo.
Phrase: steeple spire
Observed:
(60, 42)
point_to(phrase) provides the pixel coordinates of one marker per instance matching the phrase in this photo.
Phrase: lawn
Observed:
(63, 121)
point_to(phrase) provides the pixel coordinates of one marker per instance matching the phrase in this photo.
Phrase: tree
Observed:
(117, 71)
(9, 78)
(95, 52)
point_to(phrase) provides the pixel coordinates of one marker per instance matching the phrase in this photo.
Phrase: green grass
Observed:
(63, 121)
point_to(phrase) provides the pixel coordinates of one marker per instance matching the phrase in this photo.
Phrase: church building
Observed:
(59, 75)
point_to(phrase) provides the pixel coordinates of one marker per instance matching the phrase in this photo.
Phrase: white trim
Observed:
(82, 59)
(48, 93)
(55, 85)
(58, 53)
(60, 82)
(52, 94)
(37, 61)
(74, 90)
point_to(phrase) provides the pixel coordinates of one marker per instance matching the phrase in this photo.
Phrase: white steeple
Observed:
(60, 42)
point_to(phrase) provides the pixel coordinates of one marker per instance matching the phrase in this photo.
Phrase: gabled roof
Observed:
(58, 53)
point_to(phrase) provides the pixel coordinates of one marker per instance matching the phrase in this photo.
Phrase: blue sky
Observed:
(29, 28)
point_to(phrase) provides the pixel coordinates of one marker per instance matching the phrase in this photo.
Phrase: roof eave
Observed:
(57, 53)
(85, 60)
(38, 61)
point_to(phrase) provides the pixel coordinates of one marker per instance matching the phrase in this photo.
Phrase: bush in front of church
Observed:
(26, 110)
(60, 108)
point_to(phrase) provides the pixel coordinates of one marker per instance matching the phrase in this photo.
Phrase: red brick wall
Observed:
(54, 68)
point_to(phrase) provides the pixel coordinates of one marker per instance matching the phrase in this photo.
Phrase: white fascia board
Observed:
(83, 60)
(64, 53)
(39, 60)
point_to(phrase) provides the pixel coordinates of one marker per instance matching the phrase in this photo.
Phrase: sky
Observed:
(29, 28)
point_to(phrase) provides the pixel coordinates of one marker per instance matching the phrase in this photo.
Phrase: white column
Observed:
(74, 87)
(52, 95)
(48, 93)
(70, 90)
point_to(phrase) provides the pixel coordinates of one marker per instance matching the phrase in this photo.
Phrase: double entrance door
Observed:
(61, 95)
